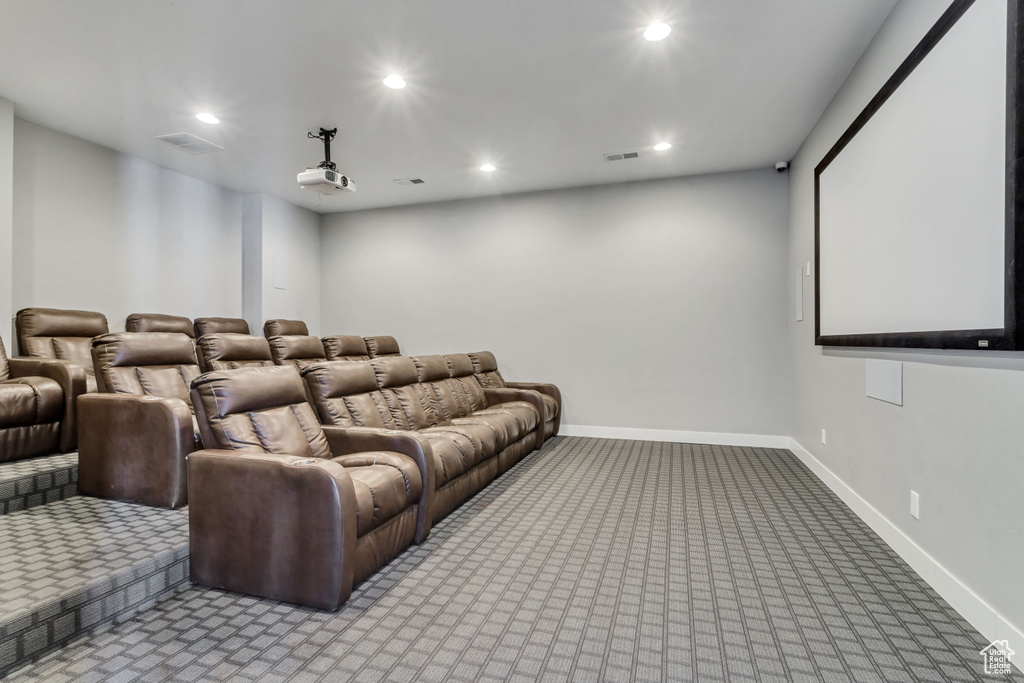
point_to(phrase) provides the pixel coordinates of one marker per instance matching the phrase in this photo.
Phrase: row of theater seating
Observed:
(38, 390)
(306, 463)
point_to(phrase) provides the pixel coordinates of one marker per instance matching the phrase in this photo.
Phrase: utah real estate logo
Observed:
(997, 657)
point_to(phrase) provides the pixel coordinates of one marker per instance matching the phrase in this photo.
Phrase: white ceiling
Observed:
(541, 88)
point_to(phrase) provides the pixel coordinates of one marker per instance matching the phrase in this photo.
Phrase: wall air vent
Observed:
(409, 181)
(621, 156)
(187, 142)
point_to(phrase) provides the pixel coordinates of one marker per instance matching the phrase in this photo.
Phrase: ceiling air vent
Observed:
(187, 142)
(409, 181)
(621, 156)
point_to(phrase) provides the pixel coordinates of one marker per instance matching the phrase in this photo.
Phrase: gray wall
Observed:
(957, 438)
(657, 305)
(291, 233)
(274, 229)
(130, 237)
(124, 236)
(6, 220)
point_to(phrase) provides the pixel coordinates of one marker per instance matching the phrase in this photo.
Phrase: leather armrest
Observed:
(498, 396)
(71, 378)
(345, 440)
(277, 526)
(133, 448)
(544, 388)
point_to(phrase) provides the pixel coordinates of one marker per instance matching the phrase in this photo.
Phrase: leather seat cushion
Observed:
(484, 440)
(523, 413)
(29, 401)
(503, 427)
(454, 454)
(384, 489)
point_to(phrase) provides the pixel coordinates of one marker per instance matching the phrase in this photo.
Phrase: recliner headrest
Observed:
(158, 322)
(345, 345)
(483, 361)
(382, 346)
(431, 368)
(296, 346)
(459, 364)
(55, 322)
(281, 327)
(228, 347)
(205, 326)
(394, 371)
(334, 378)
(143, 348)
(247, 389)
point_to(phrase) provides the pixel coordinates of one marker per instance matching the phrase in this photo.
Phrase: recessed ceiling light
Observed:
(657, 31)
(487, 168)
(207, 117)
(662, 146)
(395, 81)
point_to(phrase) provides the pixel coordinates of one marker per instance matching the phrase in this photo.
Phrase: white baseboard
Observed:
(674, 436)
(992, 625)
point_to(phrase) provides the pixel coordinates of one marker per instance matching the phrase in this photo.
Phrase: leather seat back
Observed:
(382, 346)
(258, 409)
(228, 351)
(463, 382)
(158, 322)
(296, 350)
(345, 393)
(62, 334)
(205, 326)
(281, 327)
(485, 367)
(398, 383)
(345, 347)
(434, 374)
(145, 363)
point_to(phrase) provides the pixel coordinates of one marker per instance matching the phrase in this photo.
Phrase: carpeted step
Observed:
(76, 564)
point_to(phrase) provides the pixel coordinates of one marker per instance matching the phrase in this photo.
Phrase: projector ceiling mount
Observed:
(324, 178)
(326, 136)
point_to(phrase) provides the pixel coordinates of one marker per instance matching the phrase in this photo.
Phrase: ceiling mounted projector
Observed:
(325, 178)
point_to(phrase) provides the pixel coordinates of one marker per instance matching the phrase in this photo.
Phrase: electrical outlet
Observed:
(915, 505)
(823, 436)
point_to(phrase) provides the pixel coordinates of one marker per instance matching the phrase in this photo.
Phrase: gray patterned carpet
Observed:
(592, 560)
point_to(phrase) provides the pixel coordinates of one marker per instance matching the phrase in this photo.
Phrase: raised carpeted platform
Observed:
(76, 564)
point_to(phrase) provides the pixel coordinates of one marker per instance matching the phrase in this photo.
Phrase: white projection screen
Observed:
(915, 230)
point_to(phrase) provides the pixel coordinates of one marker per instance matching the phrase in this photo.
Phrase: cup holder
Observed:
(303, 462)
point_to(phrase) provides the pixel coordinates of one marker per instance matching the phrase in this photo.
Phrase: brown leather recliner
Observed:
(134, 435)
(160, 322)
(468, 441)
(281, 327)
(31, 408)
(205, 326)
(61, 334)
(485, 367)
(65, 336)
(277, 511)
(232, 351)
(382, 346)
(296, 350)
(345, 347)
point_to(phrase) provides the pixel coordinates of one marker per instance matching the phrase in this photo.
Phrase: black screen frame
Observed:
(1010, 337)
